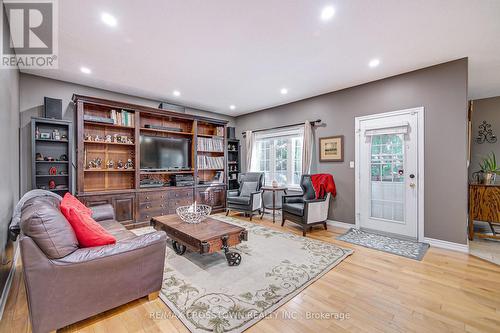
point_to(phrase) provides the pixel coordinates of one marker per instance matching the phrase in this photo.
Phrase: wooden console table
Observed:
(484, 205)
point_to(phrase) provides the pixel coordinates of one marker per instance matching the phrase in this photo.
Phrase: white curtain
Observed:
(249, 143)
(307, 150)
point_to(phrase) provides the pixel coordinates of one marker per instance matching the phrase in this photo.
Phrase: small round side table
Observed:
(274, 208)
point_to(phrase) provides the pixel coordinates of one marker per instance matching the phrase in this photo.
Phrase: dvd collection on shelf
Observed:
(211, 144)
(122, 118)
(210, 162)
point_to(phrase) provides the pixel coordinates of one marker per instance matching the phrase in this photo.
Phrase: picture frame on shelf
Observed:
(331, 149)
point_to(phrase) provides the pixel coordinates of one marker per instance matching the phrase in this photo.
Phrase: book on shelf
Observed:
(211, 144)
(219, 131)
(122, 118)
(210, 162)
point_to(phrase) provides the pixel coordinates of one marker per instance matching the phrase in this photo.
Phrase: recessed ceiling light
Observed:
(327, 13)
(109, 19)
(284, 91)
(176, 93)
(85, 70)
(374, 63)
(232, 107)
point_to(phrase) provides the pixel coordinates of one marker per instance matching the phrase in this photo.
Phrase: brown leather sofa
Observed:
(66, 284)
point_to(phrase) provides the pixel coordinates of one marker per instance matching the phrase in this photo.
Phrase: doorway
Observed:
(389, 173)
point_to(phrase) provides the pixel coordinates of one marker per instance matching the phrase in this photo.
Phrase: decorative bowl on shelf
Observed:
(194, 213)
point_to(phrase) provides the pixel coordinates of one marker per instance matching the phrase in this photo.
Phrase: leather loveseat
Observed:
(65, 283)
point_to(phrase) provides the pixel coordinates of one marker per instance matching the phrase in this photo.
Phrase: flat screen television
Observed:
(158, 153)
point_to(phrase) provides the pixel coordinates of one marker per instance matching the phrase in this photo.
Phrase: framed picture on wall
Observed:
(331, 149)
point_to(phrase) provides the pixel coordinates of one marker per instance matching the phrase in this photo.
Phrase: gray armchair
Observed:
(248, 197)
(304, 209)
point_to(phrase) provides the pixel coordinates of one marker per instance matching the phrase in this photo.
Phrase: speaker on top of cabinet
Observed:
(52, 108)
(231, 133)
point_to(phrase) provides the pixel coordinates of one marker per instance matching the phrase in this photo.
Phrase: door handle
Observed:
(412, 185)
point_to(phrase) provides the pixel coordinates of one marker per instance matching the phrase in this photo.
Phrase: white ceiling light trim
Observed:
(109, 19)
(85, 70)
(327, 13)
(374, 63)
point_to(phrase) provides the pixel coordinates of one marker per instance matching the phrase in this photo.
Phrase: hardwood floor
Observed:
(375, 291)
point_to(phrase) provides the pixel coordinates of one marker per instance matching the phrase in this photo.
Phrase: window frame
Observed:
(292, 135)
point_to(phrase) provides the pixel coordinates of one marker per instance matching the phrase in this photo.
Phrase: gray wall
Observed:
(34, 88)
(485, 109)
(442, 91)
(9, 163)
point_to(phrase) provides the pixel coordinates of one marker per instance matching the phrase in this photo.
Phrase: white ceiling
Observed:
(223, 52)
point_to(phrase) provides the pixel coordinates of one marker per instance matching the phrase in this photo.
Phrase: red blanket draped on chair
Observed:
(323, 183)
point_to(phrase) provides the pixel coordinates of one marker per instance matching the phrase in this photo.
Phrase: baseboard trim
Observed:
(447, 245)
(8, 283)
(339, 224)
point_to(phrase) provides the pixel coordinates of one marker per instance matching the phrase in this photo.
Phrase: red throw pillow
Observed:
(88, 232)
(70, 202)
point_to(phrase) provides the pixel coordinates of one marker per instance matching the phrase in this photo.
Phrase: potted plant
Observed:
(489, 169)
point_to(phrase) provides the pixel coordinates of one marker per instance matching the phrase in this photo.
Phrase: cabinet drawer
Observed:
(174, 203)
(147, 214)
(152, 205)
(152, 196)
(180, 194)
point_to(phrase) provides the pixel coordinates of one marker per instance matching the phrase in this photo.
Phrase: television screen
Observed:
(159, 153)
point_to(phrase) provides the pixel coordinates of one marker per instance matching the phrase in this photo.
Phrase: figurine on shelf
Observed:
(95, 163)
(97, 138)
(119, 164)
(63, 157)
(52, 184)
(110, 164)
(64, 137)
(88, 137)
(116, 138)
(52, 171)
(37, 133)
(56, 135)
(129, 164)
(109, 138)
(39, 157)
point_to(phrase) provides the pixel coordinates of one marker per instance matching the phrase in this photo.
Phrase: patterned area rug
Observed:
(209, 296)
(404, 248)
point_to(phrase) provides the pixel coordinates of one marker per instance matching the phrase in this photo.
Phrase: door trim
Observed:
(420, 163)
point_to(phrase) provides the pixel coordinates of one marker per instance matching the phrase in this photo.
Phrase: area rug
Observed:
(207, 295)
(404, 248)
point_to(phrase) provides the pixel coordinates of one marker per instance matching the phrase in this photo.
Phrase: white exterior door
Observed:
(388, 172)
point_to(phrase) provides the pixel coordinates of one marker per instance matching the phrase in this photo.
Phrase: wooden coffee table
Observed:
(209, 236)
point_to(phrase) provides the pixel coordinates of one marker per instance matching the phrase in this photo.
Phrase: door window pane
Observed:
(387, 177)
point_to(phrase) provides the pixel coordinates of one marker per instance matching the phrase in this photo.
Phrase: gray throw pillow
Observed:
(48, 228)
(248, 188)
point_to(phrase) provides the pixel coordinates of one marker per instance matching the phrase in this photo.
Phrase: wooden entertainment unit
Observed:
(100, 141)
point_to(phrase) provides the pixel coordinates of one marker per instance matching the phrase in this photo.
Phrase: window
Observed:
(279, 155)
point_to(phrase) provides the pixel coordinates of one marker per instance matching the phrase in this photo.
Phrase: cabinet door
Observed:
(203, 196)
(124, 208)
(123, 204)
(218, 198)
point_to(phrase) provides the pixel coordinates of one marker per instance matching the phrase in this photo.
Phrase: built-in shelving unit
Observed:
(51, 155)
(233, 163)
(99, 182)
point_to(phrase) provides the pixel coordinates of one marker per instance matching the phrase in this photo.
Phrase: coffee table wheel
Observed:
(233, 258)
(178, 248)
